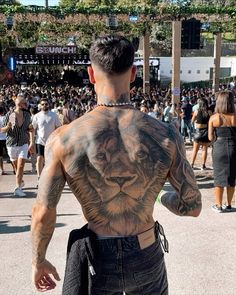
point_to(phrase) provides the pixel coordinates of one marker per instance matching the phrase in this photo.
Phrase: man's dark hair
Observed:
(44, 99)
(112, 54)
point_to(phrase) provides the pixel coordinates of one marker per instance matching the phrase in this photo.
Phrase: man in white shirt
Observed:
(44, 123)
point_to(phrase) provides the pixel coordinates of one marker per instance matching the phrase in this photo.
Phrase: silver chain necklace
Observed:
(114, 104)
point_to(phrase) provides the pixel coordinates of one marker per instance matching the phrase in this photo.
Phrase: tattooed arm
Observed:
(51, 184)
(186, 200)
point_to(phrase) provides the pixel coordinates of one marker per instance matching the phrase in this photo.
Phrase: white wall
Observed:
(195, 64)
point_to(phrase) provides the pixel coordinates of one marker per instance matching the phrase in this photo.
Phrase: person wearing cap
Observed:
(116, 160)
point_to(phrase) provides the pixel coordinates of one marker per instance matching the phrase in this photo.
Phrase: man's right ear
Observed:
(133, 73)
(91, 75)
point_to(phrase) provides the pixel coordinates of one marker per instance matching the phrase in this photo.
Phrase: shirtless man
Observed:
(116, 160)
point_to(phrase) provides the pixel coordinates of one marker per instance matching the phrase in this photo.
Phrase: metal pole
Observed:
(46, 3)
(146, 68)
(176, 55)
(216, 66)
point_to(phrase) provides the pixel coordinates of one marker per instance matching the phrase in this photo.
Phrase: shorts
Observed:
(201, 135)
(40, 149)
(2, 147)
(18, 152)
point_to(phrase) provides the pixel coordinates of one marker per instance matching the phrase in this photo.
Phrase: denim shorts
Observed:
(122, 266)
(115, 266)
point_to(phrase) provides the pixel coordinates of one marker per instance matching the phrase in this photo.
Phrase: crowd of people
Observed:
(65, 103)
(52, 75)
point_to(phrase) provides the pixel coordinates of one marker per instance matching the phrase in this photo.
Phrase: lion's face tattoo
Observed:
(120, 175)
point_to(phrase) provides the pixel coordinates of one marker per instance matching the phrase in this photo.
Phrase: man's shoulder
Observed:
(37, 116)
(55, 140)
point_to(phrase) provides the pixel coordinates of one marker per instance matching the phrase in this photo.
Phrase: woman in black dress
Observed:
(222, 129)
(201, 118)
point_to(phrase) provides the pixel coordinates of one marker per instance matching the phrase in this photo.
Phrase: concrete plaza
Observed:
(202, 255)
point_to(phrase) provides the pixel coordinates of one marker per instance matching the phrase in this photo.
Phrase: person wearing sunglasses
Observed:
(44, 123)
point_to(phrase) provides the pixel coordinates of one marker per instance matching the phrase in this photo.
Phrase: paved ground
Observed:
(202, 250)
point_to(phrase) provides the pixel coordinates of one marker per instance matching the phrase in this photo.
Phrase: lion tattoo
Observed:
(119, 175)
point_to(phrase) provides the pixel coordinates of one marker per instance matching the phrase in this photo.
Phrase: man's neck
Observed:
(113, 97)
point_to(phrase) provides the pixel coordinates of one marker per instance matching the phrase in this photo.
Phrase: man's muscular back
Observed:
(115, 161)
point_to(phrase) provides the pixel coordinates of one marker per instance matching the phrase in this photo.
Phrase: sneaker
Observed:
(19, 193)
(227, 208)
(217, 209)
(203, 167)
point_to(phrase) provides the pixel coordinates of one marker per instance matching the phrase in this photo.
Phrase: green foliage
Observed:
(97, 10)
(141, 7)
(27, 30)
(68, 3)
(9, 2)
(161, 36)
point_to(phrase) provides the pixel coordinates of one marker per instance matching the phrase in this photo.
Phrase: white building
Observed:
(193, 69)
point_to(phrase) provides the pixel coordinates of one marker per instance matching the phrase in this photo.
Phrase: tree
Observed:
(91, 3)
(214, 2)
(9, 2)
(94, 3)
(68, 3)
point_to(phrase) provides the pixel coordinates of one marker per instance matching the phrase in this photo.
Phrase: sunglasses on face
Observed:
(44, 104)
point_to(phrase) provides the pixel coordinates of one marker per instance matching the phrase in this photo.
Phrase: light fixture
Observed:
(112, 22)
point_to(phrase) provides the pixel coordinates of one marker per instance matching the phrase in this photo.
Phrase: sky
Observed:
(39, 2)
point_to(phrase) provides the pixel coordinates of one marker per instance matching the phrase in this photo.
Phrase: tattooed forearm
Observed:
(50, 190)
(174, 202)
(40, 243)
(187, 198)
(43, 222)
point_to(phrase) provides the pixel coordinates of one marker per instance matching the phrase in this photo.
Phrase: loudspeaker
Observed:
(135, 42)
(191, 30)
